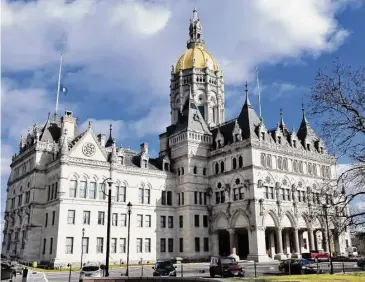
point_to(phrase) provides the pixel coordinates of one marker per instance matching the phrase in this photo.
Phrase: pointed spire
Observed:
(64, 145)
(114, 157)
(195, 31)
(282, 124)
(304, 118)
(89, 125)
(109, 142)
(247, 101)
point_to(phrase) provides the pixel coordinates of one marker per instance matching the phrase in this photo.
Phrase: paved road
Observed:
(194, 270)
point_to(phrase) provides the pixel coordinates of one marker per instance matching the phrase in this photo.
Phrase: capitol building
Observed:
(218, 187)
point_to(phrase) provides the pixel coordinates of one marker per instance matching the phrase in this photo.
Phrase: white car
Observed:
(90, 271)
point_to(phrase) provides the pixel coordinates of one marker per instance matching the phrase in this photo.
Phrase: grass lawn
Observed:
(353, 277)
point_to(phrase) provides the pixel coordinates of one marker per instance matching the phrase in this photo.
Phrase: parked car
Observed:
(352, 252)
(7, 272)
(164, 268)
(361, 262)
(91, 271)
(225, 267)
(316, 255)
(298, 266)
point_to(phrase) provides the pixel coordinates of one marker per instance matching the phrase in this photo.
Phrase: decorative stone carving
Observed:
(259, 184)
(89, 149)
(228, 210)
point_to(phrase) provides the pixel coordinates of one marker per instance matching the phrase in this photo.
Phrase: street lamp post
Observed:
(328, 238)
(129, 205)
(82, 245)
(108, 227)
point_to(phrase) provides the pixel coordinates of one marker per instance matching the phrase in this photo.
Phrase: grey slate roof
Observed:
(51, 130)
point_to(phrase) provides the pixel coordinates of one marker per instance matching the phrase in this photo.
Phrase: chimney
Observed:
(69, 122)
(102, 139)
(144, 148)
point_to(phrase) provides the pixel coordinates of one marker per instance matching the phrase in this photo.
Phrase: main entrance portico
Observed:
(277, 238)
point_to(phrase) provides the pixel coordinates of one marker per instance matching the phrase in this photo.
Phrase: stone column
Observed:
(272, 243)
(311, 239)
(214, 243)
(287, 242)
(231, 239)
(336, 239)
(296, 241)
(279, 240)
(256, 241)
(324, 240)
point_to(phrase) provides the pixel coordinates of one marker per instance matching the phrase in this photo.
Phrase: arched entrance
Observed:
(224, 244)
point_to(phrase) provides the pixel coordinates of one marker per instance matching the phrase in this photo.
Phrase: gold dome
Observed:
(196, 57)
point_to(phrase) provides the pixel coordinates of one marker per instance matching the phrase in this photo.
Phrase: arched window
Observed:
(216, 168)
(83, 188)
(268, 161)
(178, 171)
(222, 166)
(285, 163)
(72, 188)
(204, 171)
(220, 194)
(314, 168)
(182, 171)
(295, 166)
(234, 163)
(195, 170)
(280, 163)
(240, 161)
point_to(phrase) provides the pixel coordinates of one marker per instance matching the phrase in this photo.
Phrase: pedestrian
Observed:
(25, 275)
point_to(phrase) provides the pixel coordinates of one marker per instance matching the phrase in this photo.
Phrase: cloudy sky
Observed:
(118, 56)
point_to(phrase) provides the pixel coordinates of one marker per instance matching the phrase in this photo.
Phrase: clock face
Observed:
(88, 149)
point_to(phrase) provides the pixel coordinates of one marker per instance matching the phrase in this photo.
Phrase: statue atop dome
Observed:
(195, 31)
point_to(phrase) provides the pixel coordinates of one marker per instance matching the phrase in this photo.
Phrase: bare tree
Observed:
(337, 100)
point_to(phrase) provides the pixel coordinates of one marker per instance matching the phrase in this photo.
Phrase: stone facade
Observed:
(217, 188)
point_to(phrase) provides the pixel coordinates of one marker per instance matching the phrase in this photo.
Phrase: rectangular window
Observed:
(51, 246)
(139, 245)
(20, 200)
(49, 193)
(169, 198)
(56, 190)
(115, 219)
(46, 220)
(272, 192)
(200, 198)
(205, 198)
(102, 192)
(170, 244)
(123, 219)
(53, 217)
(303, 196)
(179, 199)
(299, 196)
(86, 218)
(139, 220)
(196, 220)
(72, 189)
(85, 245)
(147, 245)
(92, 190)
(147, 221)
(163, 198)
(27, 197)
(235, 194)
(197, 244)
(181, 245)
(282, 192)
(171, 222)
(101, 216)
(122, 245)
(121, 194)
(140, 195)
(195, 197)
(205, 221)
(82, 190)
(163, 245)
(99, 245)
(113, 246)
(69, 245)
(147, 196)
(52, 191)
(44, 246)
(163, 221)
(288, 195)
(182, 198)
(71, 217)
(181, 221)
(206, 244)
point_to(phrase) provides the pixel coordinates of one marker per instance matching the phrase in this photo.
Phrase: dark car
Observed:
(7, 272)
(225, 267)
(361, 262)
(164, 268)
(299, 266)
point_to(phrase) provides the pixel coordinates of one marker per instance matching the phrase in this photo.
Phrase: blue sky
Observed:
(118, 57)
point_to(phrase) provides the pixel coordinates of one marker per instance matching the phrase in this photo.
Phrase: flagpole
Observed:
(258, 89)
(59, 85)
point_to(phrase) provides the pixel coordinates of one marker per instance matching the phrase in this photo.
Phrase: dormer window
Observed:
(195, 170)
(237, 137)
(294, 143)
(321, 150)
(166, 167)
(121, 160)
(308, 147)
(279, 139)
(219, 144)
(145, 164)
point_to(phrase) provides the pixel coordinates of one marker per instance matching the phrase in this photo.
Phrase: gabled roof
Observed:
(248, 120)
(190, 118)
(305, 130)
(226, 130)
(51, 130)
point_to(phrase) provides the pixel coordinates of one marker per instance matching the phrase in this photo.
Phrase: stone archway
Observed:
(239, 229)
(221, 227)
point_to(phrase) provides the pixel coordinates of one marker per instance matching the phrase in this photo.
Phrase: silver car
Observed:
(90, 271)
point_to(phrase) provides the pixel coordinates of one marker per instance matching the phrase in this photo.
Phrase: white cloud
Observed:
(133, 42)
(7, 151)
